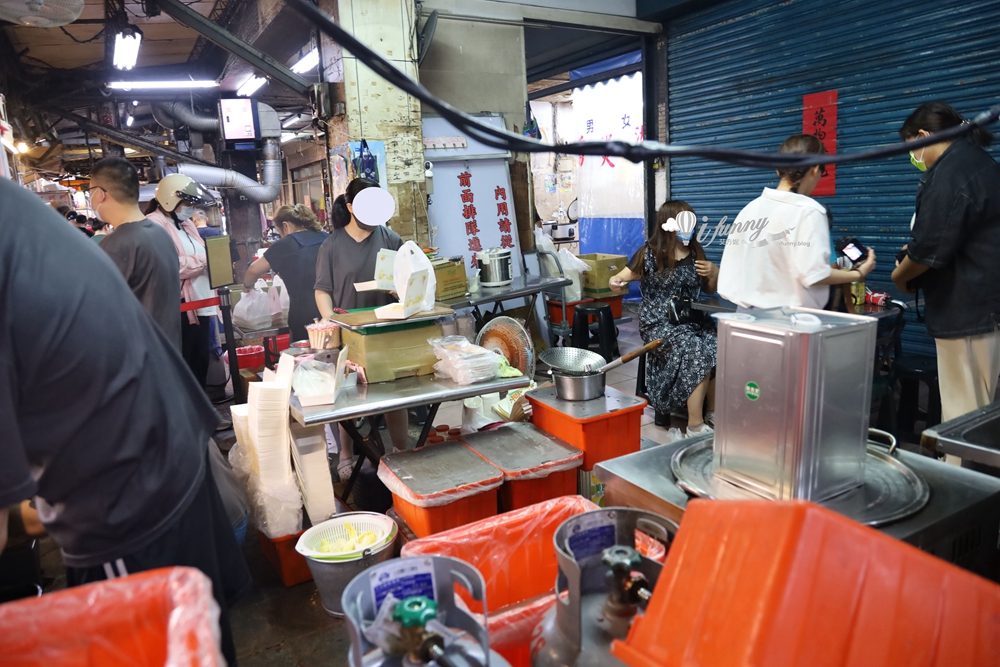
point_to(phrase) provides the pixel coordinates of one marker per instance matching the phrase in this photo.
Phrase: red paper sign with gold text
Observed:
(819, 118)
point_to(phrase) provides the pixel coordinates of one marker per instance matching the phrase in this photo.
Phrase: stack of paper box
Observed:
(313, 471)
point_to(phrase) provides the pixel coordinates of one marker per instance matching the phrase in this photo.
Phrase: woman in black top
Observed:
(293, 257)
(954, 256)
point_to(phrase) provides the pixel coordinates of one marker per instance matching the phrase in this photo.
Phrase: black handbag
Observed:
(681, 311)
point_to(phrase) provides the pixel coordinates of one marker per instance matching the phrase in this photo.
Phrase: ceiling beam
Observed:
(125, 138)
(230, 42)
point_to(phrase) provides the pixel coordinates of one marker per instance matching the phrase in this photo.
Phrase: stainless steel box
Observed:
(793, 396)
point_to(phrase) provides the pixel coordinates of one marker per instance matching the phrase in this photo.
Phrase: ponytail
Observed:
(937, 116)
(341, 217)
(299, 215)
(799, 144)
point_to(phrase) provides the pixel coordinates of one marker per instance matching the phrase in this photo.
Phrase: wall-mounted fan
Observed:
(41, 13)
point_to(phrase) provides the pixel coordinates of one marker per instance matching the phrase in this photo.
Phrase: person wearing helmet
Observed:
(172, 207)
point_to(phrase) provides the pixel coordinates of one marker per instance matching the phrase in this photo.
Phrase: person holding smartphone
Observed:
(954, 256)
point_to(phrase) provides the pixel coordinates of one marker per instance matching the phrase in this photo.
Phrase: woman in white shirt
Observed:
(778, 250)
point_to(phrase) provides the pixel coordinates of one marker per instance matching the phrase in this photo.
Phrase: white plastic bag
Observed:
(409, 260)
(278, 297)
(462, 361)
(253, 312)
(572, 267)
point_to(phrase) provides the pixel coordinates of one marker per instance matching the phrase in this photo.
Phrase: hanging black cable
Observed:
(647, 150)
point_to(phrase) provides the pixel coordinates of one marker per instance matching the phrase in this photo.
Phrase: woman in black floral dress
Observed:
(672, 263)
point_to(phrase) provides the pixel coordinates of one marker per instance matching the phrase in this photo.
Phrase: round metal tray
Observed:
(892, 490)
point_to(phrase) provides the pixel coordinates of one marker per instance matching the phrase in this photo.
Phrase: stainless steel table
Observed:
(959, 524)
(527, 287)
(270, 339)
(372, 401)
(714, 304)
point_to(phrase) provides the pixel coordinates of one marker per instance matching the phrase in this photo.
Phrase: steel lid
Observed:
(519, 449)
(442, 467)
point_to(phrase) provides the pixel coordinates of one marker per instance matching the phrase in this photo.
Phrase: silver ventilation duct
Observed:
(184, 116)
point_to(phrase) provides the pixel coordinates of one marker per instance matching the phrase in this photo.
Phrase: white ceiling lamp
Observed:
(129, 121)
(127, 47)
(22, 147)
(161, 85)
(294, 119)
(288, 136)
(250, 86)
(308, 62)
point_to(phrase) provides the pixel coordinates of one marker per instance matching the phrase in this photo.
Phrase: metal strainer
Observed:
(572, 360)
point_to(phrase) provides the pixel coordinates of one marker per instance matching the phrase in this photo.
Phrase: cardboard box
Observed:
(451, 279)
(393, 352)
(602, 267)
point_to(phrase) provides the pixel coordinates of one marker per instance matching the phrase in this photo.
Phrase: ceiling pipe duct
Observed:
(184, 116)
(261, 193)
(216, 177)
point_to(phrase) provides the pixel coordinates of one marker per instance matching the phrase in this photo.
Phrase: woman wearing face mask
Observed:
(293, 257)
(172, 208)
(954, 255)
(672, 264)
(348, 256)
(778, 251)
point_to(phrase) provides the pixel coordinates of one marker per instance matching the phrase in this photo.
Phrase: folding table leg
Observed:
(432, 411)
(370, 447)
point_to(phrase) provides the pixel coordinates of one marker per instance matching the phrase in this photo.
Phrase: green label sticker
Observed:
(752, 391)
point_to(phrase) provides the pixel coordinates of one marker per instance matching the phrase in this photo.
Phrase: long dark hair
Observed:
(799, 144)
(664, 243)
(936, 116)
(340, 216)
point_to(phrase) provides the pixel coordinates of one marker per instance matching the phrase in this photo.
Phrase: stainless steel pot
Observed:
(495, 267)
(578, 387)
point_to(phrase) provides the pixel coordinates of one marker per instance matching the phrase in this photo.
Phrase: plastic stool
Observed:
(607, 334)
(911, 371)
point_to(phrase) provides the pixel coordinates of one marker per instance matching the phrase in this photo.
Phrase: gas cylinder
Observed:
(603, 582)
(424, 626)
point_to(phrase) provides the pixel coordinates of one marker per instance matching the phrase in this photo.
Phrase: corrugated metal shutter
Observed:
(737, 73)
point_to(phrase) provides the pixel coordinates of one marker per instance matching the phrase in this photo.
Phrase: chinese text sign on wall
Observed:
(819, 118)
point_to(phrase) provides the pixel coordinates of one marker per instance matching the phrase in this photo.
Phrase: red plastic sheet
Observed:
(156, 618)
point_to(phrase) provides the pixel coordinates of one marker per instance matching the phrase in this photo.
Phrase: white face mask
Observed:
(97, 208)
(184, 212)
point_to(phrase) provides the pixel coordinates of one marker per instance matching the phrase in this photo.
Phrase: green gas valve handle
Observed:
(414, 612)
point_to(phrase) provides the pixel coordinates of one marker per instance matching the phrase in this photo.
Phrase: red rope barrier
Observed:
(195, 305)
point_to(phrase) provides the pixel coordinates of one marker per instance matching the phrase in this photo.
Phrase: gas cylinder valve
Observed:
(629, 587)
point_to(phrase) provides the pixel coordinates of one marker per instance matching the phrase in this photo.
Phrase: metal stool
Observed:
(607, 333)
(910, 371)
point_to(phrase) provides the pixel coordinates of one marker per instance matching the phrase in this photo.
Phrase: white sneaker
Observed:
(700, 429)
(673, 435)
(710, 418)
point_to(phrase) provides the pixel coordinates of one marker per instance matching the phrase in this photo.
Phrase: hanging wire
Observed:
(100, 33)
(636, 152)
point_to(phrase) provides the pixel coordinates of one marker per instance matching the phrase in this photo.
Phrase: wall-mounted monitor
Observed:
(239, 119)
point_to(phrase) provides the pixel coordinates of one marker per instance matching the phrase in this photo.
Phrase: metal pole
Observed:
(225, 305)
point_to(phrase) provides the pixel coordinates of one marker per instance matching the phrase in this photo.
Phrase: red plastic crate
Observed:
(516, 494)
(288, 563)
(784, 584)
(555, 310)
(615, 302)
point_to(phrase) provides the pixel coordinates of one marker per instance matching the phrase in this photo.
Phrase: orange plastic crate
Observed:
(555, 310)
(536, 466)
(755, 583)
(290, 565)
(424, 521)
(440, 486)
(131, 621)
(515, 494)
(603, 437)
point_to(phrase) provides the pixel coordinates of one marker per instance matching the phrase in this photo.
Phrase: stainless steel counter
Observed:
(960, 523)
(373, 399)
(521, 286)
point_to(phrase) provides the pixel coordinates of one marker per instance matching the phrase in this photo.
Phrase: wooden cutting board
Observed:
(367, 318)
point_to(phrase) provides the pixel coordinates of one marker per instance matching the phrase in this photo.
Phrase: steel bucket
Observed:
(332, 577)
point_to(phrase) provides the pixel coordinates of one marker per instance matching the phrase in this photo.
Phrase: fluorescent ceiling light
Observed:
(292, 120)
(23, 147)
(309, 62)
(250, 86)
(129, 121)
(288, 136)
(150, 85)
(135, 103)
(127, 47)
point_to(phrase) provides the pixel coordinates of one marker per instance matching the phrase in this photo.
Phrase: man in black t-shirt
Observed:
(139, 247)
(111, 439)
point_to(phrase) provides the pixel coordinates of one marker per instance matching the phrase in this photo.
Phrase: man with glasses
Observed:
(139, 247)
